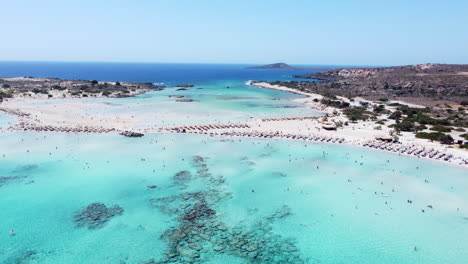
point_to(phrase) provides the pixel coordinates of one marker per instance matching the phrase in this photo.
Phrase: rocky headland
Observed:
(425, 84)
(30, 87)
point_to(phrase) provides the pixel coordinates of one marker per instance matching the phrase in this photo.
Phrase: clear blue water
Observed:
(168, 73)
(5, 120)
(240, 201)
(214, 101)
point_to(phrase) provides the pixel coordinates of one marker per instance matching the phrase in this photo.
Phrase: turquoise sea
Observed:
(199, 199)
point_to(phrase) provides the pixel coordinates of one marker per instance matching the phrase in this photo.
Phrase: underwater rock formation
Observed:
(96, 215)
(186, 100)
(182, 178)
(24, 257)
(202, 233)
(131, 134)
(27, 167)
(8, 179)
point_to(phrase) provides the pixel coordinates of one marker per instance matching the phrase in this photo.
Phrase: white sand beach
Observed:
(91, 115)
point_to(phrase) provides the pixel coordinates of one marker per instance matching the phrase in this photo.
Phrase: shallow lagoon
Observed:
(213, 103)
(302, 202)
(6, 120)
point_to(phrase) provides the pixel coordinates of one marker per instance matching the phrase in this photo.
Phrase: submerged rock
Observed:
(26, 167)
(131, 134)
(280, 174)
(202, 233)
(186, 100)
(8, 179)
(96, 215)
(25, 257)
(182, 177)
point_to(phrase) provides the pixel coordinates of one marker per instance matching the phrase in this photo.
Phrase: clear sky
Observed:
(334, 32)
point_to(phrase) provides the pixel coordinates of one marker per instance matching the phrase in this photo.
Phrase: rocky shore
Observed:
(30, 87)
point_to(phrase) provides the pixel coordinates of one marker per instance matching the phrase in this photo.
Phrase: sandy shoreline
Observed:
(356, 133)
(80, 116)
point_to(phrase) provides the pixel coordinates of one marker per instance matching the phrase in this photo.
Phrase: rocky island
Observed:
(279, 66)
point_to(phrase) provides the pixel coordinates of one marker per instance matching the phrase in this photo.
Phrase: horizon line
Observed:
(214, 63)
(219, 63)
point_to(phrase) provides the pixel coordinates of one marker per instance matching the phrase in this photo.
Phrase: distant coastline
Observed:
(283, 66)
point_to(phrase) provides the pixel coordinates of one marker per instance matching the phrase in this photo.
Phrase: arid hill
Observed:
(426, 84)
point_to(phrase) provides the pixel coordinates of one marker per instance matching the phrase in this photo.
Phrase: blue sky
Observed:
(241, 31)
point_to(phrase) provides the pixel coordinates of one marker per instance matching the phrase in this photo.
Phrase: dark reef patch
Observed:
(4, 180)
(201, 232)
(25, 168)
(24, 257)
(96, 215)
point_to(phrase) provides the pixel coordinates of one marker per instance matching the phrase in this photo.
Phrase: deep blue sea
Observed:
(169, 73)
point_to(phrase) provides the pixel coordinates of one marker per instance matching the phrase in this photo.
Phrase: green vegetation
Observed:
(356, 113)
(380, 122)
(437, 136)
(5, 86)
(440, 128)
(380, 109)
(3, 95)
(445, 139)
(395, 115)
(465, 136)
(58, 87)
(420, 127)
(41, 91)
(405, 126)
(334, 103)
(383, 99)
(94, 82)
(431, 135)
